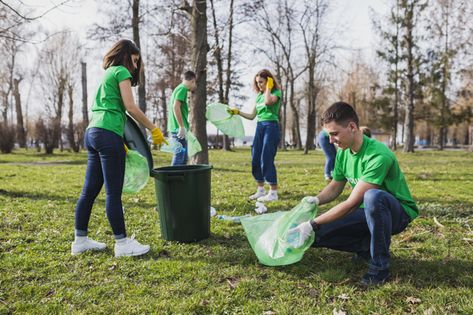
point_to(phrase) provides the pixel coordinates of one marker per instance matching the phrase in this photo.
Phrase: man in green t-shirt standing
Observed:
(178, 115)
(380, 204)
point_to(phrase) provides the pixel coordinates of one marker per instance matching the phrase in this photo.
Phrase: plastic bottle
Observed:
(235, 219)
(173, 146)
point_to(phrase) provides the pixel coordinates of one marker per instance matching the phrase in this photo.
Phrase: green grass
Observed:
(432, 266)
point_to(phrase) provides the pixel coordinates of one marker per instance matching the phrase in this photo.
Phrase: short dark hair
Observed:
(120, 55)
(340, 112)
(189, 75)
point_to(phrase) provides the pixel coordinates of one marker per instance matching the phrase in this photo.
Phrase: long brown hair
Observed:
(265, 74)
(120, 55)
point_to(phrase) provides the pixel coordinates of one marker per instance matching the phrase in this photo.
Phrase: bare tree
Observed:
(85, 114)
(200, 47)
(20, 128)
(57, 71)
(410, 10)
(316, 47)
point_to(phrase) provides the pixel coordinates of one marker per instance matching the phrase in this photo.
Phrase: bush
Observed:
(47, 134)
(7, 137)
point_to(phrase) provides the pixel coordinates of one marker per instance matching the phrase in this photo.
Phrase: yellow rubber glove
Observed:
(269, 83)
(233, 111)
(157, 136)
(126, 149)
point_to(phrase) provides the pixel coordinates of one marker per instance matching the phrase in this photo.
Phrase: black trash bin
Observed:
(183, 195)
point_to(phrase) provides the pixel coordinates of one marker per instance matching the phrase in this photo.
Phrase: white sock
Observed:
(80, 238)
(273, 192)
(260, 189)
(120, 240)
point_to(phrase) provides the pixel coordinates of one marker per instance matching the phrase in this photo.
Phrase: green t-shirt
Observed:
(375, 164)
(108, 111)
(268, 112)
(179, 94)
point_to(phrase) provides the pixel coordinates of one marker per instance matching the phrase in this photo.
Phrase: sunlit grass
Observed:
(431, 264)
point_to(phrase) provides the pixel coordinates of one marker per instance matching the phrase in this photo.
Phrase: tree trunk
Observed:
(164, 109)
(218, 59)
(311, 112)
(200, 48)
(135, 24)
(70, 129)
(57, 139)
(85, 113)
(20, 129)
(295, 116)
(409, 119)
(396, 84)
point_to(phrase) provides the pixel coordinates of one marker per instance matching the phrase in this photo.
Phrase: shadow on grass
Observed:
(31, 195)
(228, 170)
(448, 272)
(49, 163)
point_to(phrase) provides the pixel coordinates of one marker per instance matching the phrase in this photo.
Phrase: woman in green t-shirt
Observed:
(106, 150)
(267, 136)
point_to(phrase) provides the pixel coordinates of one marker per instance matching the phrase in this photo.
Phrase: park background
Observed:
(403, 64)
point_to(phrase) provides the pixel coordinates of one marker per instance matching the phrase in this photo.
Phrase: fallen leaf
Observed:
(344, 297)
(338, 312)
(313, 293)
(269, 313)
(413, 300)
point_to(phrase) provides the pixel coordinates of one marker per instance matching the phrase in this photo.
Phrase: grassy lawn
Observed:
(432, 266)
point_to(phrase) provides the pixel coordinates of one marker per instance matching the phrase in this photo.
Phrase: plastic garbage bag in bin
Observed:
(230, 125)
(136, 172)
(267, 234)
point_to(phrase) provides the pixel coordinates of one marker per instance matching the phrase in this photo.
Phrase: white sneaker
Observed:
(81, 244)
(271, 196)
(257, 194)
(130, 247)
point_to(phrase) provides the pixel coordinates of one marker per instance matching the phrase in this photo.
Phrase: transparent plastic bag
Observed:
(173, 146)
(268, 234)
(217, 112)
(193, 145)
(136, 172)
(230, 125)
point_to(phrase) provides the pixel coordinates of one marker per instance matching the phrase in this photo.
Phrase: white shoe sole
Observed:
(133, 253)
(77, 252)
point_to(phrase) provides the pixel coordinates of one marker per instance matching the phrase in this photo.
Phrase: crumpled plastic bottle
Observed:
(235, 219)
(173, 146)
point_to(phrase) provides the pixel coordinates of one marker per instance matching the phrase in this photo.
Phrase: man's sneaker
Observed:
(271, 196)
(130, 247)
(257, 194)
(81, 244)
(371, 279)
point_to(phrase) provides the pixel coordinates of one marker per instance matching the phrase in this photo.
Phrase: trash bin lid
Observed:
(136, 140)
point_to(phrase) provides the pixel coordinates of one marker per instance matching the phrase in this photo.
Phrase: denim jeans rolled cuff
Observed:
(181, 157)
(119, 236)
(265, 146)
(80, 232)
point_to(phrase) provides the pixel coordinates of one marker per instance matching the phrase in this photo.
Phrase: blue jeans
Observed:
(106, 164)
(367, 229)
(180, 158)
(265, 147)
(330, 152)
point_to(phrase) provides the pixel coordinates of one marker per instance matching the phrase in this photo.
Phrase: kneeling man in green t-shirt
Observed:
(380, 204)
